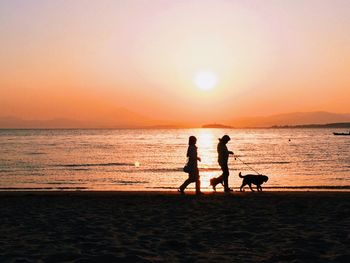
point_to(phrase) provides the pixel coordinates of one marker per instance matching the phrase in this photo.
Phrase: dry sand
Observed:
(158, 227)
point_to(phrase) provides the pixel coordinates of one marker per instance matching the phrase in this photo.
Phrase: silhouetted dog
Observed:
(250, 179)
(217, 180)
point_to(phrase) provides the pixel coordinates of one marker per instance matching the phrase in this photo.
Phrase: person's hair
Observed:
(225, 138)
(192, 140)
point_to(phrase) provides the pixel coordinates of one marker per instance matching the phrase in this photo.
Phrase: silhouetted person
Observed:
(224, 153)
(192, 164)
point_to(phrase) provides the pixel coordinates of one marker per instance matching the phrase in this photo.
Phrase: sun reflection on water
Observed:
(206, 143)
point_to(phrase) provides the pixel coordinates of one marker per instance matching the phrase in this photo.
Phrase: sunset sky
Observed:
(173, 60)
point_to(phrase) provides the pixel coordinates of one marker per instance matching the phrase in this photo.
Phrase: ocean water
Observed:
(137, 159)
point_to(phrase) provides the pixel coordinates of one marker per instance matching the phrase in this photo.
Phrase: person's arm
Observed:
(227, 152)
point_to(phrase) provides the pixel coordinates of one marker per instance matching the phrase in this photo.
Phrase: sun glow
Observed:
(205, 80)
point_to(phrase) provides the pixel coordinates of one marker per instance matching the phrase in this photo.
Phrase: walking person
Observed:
(192, 166)
(223, 155)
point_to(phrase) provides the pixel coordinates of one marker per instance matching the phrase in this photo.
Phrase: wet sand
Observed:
(167, 226)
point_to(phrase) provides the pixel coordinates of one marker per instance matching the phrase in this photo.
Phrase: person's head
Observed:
(225, 139)
(192, 140)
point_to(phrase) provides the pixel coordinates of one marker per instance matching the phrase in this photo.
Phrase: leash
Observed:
(236, 157)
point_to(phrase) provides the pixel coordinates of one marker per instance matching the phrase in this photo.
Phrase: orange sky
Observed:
(85, 59)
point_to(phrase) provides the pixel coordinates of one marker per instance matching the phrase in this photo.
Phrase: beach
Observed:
(90, 226)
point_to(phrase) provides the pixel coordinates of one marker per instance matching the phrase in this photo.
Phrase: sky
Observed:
(188, 61)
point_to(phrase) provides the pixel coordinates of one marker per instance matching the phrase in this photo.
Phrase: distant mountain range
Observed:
(117, 118)
(123, 118)
(345, 125)
(18, 123)
(215, 125)
(290, 119)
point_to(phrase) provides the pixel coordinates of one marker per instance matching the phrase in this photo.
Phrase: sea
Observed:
(153, 159)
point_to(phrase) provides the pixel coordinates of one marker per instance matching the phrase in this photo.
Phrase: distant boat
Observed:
(341, 133)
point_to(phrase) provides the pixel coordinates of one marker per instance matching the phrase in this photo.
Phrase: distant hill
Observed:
(165, 126)
(344, 125)
(222, 126)
(18, 123)
(123, 118)
(291, 119)
(117, 118)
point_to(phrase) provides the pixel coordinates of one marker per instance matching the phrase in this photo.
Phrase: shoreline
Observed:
(190, 191)
(166, 193)
(172, 192)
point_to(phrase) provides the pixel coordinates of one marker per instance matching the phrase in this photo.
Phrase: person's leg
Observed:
(226, 187)
(225, 175)
(190, 179)
(198, 186)
(185, 184)
(198, 183)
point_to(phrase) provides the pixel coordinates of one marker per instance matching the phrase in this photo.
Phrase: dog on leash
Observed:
(250, 179)
(217, 180)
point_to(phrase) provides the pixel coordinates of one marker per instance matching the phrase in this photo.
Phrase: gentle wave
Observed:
(125, 182)
(276, 187)
(5, 171)
(309, 187)
(58, 183)
(94, 164)
(161, 170)
(78, 169)
(278, 162)
(180, 169)
(43, 188)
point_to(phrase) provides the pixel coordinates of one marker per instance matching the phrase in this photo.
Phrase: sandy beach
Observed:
(166, 226)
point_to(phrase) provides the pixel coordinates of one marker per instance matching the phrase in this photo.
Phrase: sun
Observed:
(205, 80)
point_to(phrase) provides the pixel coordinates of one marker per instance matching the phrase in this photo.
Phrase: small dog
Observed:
(217, 180)
(250, 179)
